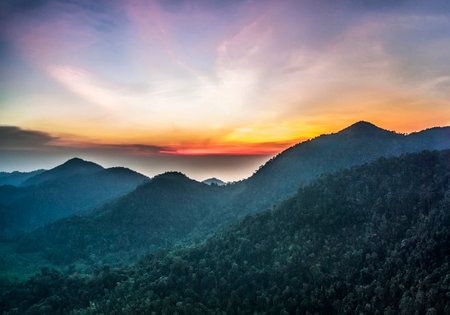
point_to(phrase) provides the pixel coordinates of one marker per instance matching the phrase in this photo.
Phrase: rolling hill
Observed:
(72, 187)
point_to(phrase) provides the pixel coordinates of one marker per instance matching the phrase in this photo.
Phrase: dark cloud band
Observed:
(16, 138)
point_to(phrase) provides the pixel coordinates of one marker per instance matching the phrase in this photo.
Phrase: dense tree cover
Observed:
(179, 210)
(373, 239)
(72, 187)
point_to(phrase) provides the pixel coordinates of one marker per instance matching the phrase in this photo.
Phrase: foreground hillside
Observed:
(72, 187)
(374, 239)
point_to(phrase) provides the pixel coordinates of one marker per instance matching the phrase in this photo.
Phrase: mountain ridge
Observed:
(368, 239)
(178, 211)
(340, 149)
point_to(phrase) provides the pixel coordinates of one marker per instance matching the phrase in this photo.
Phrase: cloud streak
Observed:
(16, 138)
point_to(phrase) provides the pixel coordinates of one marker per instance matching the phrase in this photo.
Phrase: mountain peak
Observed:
(76, 161)
(364, 128)
(71, 167)
(364, 124)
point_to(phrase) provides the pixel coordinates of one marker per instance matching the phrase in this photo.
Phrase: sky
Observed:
(212, 88)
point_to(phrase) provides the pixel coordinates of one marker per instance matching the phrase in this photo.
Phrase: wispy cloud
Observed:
(86, 85)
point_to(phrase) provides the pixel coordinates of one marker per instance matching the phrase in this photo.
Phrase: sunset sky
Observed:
(212, 88)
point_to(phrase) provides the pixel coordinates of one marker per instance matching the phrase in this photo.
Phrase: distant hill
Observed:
(74, 166)
(157, 215)
(213, 181)
(372, 239)
(17, 178)
(72, 187)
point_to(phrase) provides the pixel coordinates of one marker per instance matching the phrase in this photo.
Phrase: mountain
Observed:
(72, 187)
(74, 166)
(372, 239)
(154, 215)
(191, 215)
(16, 178)
(213, 181)
(357, 144)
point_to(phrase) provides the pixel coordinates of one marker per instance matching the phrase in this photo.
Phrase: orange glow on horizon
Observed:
(253, 139)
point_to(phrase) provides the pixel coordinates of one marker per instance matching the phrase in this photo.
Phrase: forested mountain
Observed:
(373, 239)
(357, 144)
(153, 216)
(16, 178)
(72, 187)
(114, 231)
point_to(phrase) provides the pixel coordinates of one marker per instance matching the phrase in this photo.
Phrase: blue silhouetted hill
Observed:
(74, 166)
(72, 187)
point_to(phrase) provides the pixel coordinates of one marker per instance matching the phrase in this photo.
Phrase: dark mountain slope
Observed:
(17, 178)
(62, 193)
(374, 239)
(152, 216)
